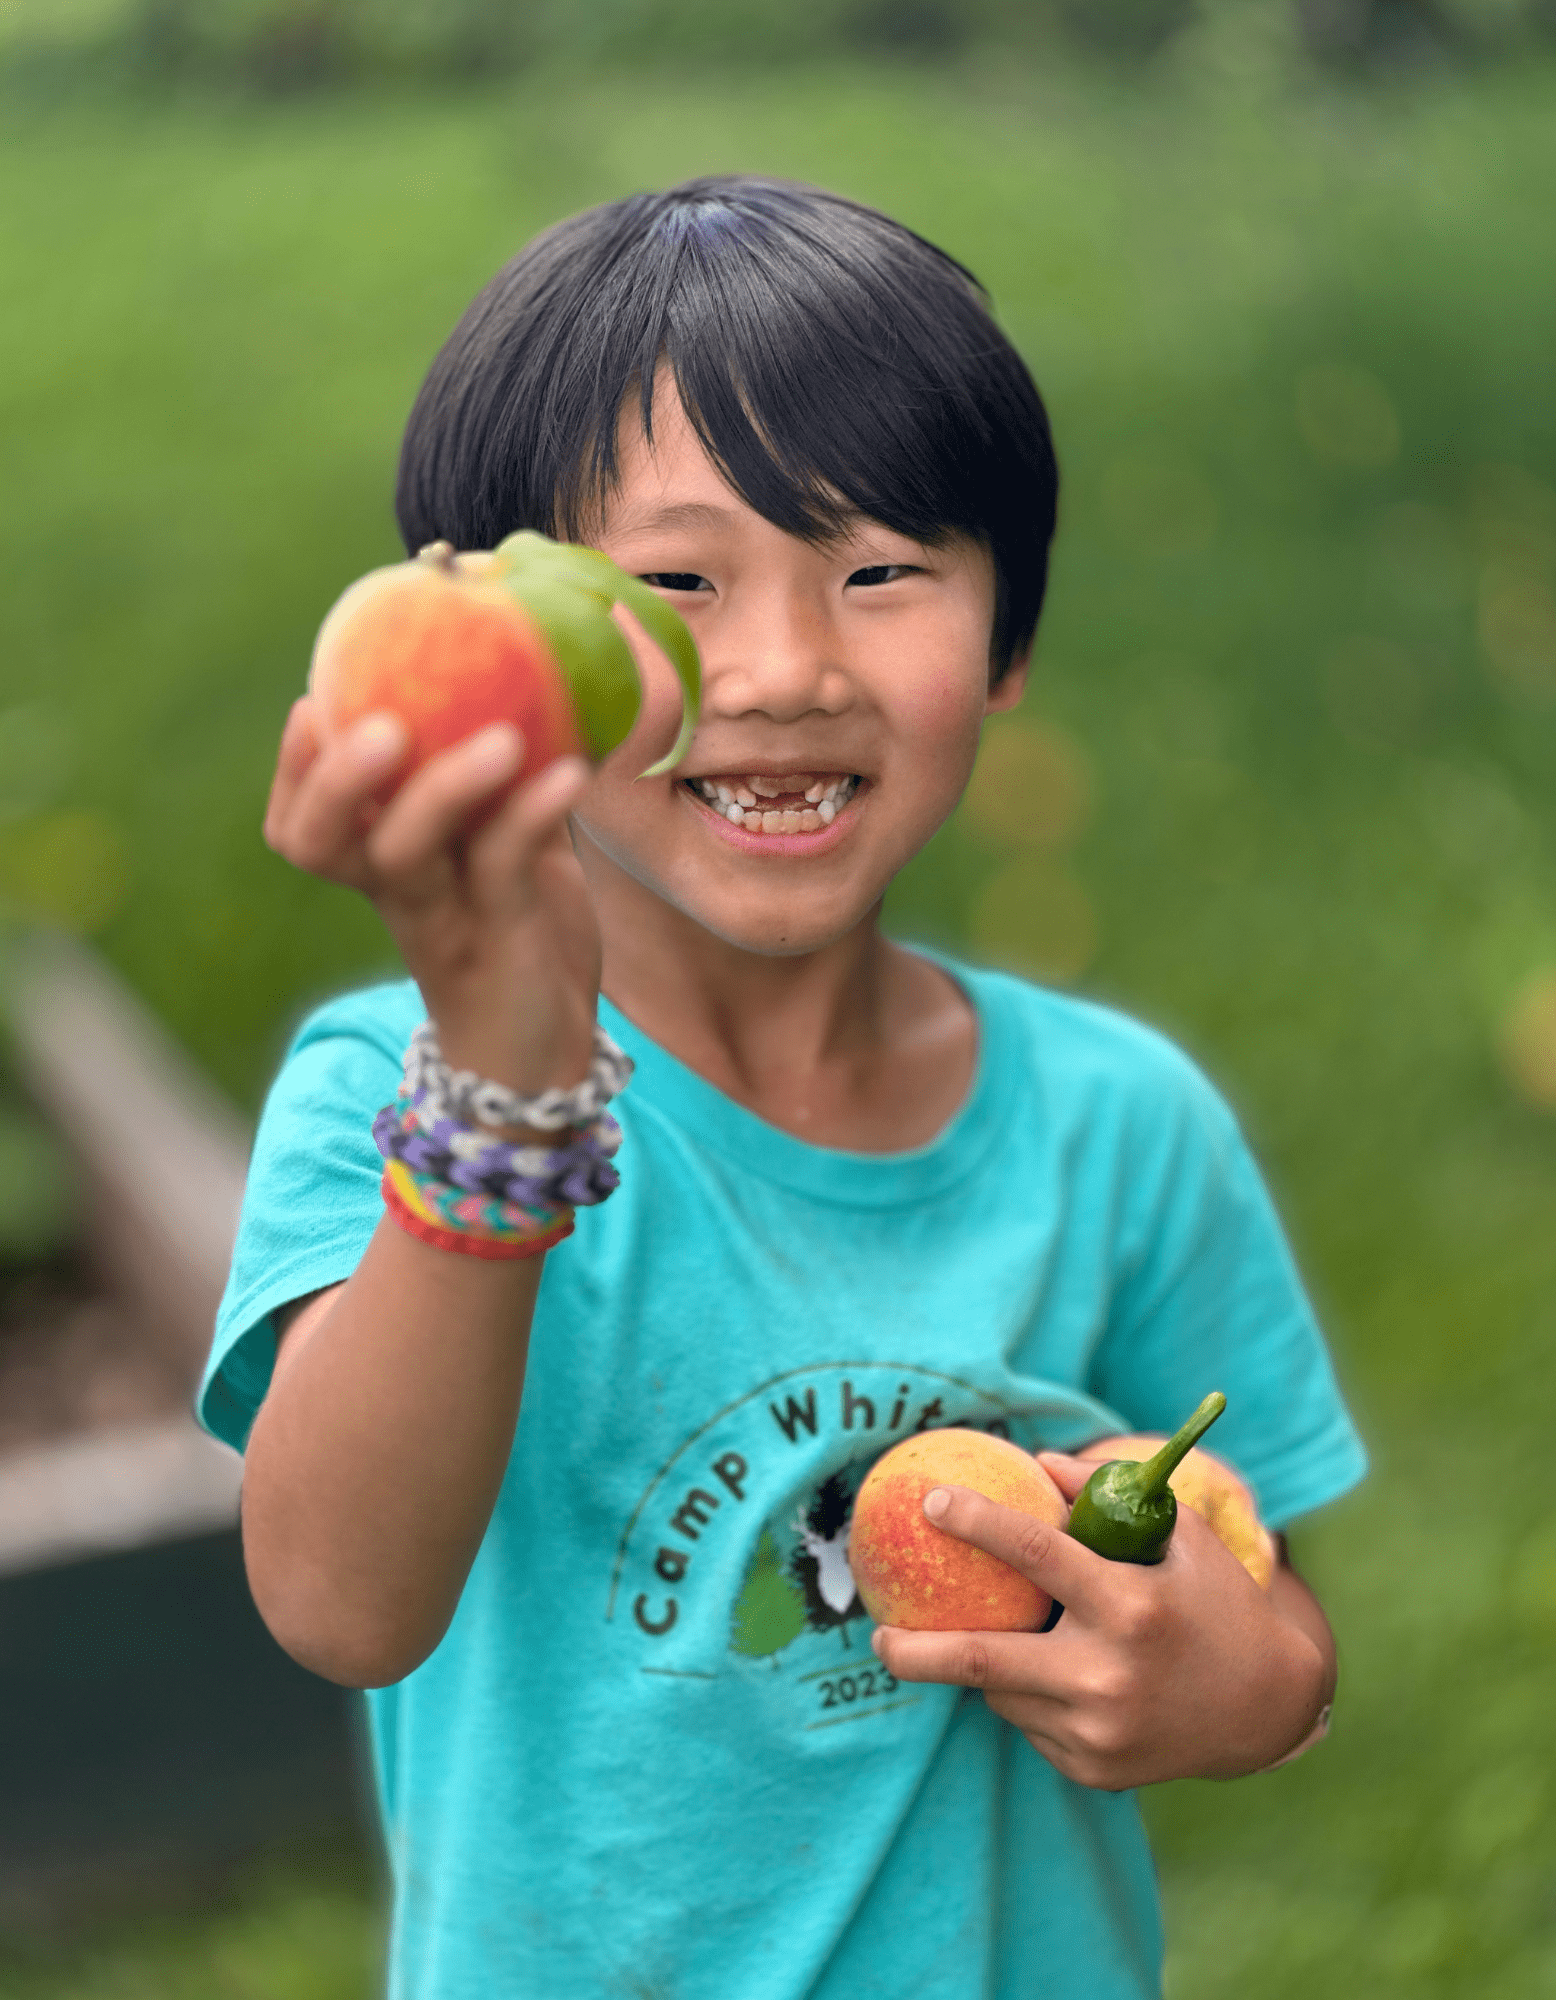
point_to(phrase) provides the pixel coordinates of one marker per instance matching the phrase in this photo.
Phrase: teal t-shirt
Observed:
(654, 1754)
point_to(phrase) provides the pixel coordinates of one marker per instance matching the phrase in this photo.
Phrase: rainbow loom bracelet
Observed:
(474, 1225)
(458, 1187)
(576, 1175)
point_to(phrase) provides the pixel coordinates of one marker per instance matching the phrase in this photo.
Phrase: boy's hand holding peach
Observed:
(451, 704)
(1185, 1668)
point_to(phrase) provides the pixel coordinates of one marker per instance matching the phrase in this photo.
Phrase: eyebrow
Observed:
(674, 514)
(705, 514)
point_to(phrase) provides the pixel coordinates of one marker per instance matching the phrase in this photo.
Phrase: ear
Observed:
(1010, 687)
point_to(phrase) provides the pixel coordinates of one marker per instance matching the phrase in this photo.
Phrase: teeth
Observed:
(824, 800)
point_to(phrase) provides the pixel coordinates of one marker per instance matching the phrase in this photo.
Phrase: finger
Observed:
(435, 806)
(321, 827)
(1195, 1541)
(1068, 1473)
(1039, 1550)
(999, 1662)
(503, 851)
(298, 748)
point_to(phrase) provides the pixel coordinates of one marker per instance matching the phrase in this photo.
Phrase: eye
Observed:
(882, 573)
(675, 579)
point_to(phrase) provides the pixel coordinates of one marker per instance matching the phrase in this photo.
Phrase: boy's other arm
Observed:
(376, 1458)
(1182, 1669)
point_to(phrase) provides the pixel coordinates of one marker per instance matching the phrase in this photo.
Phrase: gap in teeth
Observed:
(738, 804)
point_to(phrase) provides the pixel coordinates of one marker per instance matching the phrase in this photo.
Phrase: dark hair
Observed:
(829, 359)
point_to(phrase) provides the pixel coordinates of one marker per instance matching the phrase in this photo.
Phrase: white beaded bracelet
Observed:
(468, 1099)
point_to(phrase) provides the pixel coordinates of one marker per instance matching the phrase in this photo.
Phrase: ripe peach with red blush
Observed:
(909, 1572)
(448, 649)
(524, 634)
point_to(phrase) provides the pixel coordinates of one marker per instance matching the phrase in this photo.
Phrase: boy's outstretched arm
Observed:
(1182, 1669)
(377, 1455)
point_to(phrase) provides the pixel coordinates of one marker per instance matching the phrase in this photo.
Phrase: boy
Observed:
(579, 1519)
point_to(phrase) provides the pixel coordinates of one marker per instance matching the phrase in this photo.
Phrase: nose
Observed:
(778, 659)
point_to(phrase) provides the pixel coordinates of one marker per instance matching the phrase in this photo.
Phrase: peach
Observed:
(523, 634)
(1210, 1486)
(909, 1572)
(446, 647)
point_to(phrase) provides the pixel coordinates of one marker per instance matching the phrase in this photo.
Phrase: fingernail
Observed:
(378, 738)
(936, 1502)
(496, 748)
(875, 1642)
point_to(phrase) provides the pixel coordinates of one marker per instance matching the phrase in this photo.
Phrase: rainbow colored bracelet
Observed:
(471, 1224)
(451, 1182)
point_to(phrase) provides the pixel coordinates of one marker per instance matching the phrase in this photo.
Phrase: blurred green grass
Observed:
(1297, 684)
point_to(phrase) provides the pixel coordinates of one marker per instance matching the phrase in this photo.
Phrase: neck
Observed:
(745, 1019)
(852, 1043)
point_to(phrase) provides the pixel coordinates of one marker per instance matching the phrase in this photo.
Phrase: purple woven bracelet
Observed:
(576, 1175)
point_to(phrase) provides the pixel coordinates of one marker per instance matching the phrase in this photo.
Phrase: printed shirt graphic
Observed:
(654, 1754)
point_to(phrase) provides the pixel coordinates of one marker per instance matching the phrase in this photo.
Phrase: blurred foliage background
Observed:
(1283, 784)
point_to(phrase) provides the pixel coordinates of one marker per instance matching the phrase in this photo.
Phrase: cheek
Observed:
(939, 717)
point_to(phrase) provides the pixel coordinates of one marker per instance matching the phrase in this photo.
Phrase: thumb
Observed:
(1068, 1473)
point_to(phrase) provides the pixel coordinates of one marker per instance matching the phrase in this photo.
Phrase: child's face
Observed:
(844, 688)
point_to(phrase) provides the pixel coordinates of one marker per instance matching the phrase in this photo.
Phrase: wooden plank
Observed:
(114, 1489)
(162, 1154)
(162, 1158)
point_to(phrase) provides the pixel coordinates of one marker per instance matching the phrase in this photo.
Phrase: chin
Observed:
(789, 915)
(776, 927)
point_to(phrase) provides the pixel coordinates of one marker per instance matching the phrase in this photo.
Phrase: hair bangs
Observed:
(830, 361)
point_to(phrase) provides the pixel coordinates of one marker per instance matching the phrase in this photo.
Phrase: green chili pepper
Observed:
(1127, 1511)
(565, 587)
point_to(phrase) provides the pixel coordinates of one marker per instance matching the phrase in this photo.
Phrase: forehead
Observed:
(673, 471)
(671, 482)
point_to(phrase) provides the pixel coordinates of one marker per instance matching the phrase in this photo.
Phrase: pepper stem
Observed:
(1156, 1472)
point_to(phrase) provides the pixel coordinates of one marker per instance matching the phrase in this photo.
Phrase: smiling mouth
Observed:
(799, 802)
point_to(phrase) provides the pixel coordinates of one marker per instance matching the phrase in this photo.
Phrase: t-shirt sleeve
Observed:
(310, 1207)
(1209, 1298)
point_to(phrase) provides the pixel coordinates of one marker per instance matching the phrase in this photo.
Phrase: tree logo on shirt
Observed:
(813, 1590)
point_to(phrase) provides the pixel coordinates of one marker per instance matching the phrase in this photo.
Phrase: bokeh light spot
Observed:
(1517, 625)
(67, 868)
(1532, 1581)
(1031, 787)
(1033, 917)
(1346, 417)
(1527, 1040)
